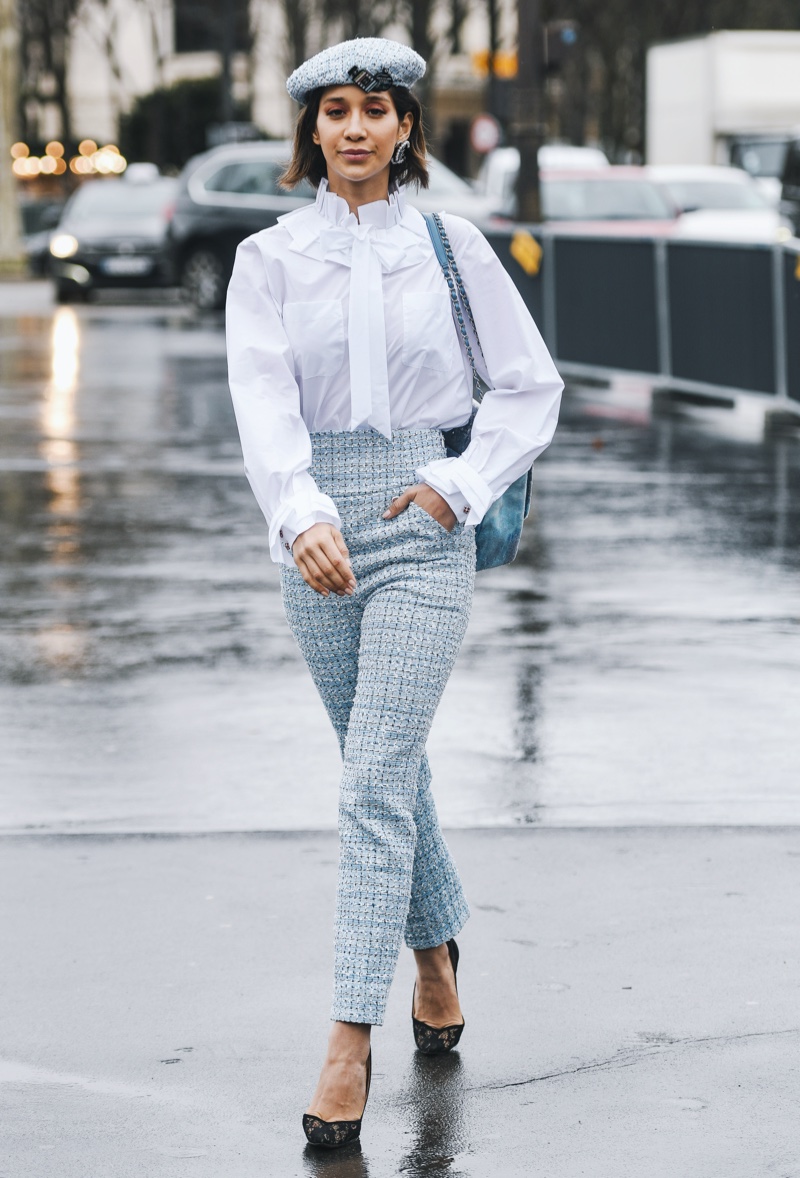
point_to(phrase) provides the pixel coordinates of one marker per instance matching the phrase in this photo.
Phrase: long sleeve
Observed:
(517, 417)
(266, 400)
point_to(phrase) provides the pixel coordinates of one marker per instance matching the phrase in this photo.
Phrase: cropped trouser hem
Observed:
(427, 936)
(368, 1003)
(380, 660)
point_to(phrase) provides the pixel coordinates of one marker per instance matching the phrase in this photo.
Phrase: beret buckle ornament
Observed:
(372, 63)
(369, 82)
(400, 152)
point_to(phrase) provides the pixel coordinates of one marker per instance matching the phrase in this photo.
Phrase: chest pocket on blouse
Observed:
(429, 337)
(316, 334)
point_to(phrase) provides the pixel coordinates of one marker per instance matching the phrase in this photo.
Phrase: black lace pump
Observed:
(334, 1134)
(437, 1040)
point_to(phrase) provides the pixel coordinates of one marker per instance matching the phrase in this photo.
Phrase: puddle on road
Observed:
(13, 1072)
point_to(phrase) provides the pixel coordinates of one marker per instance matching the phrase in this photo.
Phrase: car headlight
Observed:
(63, 245)
(783, 233)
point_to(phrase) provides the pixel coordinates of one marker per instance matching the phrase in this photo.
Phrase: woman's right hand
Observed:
(321, 555)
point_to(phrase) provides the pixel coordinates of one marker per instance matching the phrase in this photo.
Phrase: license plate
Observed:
(123, 265)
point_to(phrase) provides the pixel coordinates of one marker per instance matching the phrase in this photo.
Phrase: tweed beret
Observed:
(373, 63)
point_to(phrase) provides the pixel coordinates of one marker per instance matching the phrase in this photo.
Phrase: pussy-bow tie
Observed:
(369, 252)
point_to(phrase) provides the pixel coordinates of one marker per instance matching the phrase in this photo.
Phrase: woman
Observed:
(345, 367)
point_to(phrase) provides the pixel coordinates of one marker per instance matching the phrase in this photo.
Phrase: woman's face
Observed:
(358, 132)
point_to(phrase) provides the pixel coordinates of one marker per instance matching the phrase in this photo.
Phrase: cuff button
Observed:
(286, 546)
(465, 510)
(281, 533)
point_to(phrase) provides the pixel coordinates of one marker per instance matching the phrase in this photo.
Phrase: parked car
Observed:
(39, 218)
(498, 173)
(619, 199)
(113, 233)
(600, 194)
(232, 191)
(718, 203)
(446, 190)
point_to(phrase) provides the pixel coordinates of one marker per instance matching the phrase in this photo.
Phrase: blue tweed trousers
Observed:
(380, 660)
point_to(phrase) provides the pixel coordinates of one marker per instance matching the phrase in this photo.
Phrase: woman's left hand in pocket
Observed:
(426, 498)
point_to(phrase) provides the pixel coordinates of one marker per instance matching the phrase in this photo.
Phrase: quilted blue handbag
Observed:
(497, 535)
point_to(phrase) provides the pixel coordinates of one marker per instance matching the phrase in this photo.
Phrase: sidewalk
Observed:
(631, 1000)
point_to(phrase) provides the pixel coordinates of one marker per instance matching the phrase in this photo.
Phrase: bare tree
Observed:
(101, 19)
(459, 10)
(360, 18)
(604, 81)
(419, 22)
(298, 16)
(45, 28)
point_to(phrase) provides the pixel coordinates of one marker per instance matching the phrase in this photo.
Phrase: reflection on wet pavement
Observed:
(637, 664)
(347, 1162)
(440, 1138)
(437, 1133)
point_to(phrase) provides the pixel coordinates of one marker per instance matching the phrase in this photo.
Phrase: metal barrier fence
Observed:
(713, 318)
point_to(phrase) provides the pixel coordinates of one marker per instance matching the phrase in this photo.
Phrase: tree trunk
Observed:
(296, 16)
(11, 258)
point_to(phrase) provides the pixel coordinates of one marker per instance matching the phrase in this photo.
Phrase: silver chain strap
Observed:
(460, 299)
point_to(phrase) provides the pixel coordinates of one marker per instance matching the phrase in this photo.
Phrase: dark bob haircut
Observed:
(308, 162)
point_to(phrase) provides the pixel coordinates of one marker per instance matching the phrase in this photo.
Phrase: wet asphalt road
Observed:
(637, 665)
(630, 1000)
(629, 980)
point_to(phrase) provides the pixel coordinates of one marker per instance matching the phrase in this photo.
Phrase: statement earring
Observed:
(400, 152)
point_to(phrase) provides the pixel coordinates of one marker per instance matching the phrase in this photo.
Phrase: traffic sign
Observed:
(485, 133)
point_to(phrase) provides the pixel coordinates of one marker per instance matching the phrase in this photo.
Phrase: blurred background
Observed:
(533, 108)
(615, 759)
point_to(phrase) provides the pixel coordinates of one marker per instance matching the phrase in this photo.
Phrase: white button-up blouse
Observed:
(341, 323)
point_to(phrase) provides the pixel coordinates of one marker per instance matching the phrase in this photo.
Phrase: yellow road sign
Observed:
(526, 250)
(505, 63)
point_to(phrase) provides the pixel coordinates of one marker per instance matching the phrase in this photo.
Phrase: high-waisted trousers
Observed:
(380, 660)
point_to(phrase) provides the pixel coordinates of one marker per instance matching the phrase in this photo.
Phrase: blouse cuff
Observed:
(294, 516)
(467, 493)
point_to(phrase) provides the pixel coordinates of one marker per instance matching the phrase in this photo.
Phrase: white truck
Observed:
(727, 97)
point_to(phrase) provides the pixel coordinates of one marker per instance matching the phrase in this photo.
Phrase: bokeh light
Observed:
(91, 160)
(108, 161)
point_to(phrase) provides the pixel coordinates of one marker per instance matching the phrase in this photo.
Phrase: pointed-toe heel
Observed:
(335, 1134)
(437, 1040)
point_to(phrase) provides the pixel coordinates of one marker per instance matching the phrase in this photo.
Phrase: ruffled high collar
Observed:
(386, 236)
(382, 214)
